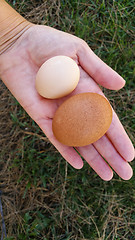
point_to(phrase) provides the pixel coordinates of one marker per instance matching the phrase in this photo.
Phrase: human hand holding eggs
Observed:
(33, 48)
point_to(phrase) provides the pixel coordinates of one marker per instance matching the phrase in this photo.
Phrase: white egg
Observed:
(57, 77)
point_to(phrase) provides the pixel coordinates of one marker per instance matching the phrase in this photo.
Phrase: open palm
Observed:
(19, 66)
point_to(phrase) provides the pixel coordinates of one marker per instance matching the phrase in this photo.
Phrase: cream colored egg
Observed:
(57, 77)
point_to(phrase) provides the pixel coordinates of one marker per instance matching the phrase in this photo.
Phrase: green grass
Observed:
(43, 196)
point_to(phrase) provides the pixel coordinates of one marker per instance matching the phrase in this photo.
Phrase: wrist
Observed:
(12, 26)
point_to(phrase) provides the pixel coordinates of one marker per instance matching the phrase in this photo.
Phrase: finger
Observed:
(116, 133)
(98, 70)
(68, 153)
(118, 136)
(106, 149)
(91, 155)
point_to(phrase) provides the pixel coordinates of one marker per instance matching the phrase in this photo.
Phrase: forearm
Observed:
(12, 25)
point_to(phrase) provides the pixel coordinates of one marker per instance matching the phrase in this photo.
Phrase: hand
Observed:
(18, 68)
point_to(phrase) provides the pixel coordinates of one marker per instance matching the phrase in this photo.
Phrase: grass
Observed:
(44, 197)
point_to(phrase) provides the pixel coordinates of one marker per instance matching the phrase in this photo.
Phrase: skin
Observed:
(18, 67)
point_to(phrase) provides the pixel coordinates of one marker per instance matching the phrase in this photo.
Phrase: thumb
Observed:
(98, 70)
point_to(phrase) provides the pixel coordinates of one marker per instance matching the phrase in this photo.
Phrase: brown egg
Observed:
(82, 119)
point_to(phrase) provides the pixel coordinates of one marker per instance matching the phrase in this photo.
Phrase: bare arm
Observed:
(12, 26)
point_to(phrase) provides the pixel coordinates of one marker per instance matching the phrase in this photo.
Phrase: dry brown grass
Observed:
(13, 200)
(39, 12)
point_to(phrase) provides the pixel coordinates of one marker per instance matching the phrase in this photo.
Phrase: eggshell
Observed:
(82, 119)
(57, 77)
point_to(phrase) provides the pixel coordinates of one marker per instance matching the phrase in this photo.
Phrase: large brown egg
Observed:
(82, 119)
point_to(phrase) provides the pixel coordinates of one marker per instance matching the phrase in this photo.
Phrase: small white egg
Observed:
(57, 77)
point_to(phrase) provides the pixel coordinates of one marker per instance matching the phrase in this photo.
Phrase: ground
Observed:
(43, 197)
